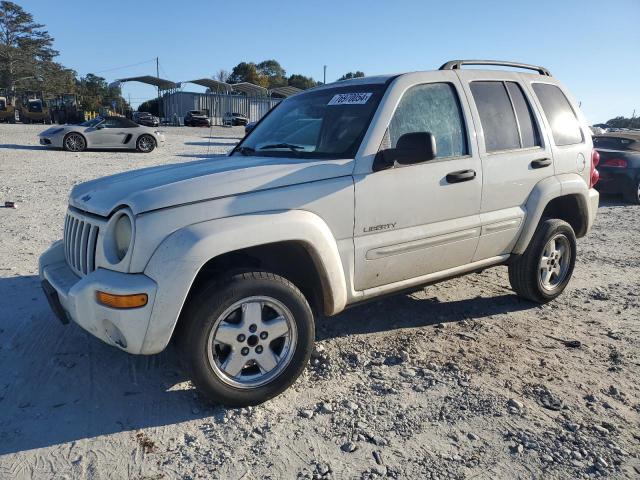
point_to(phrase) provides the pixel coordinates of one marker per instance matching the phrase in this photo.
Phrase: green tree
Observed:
(150, 106)
(24, 45)
(302, 82)
(275, 75)
(623, 122)
(95, 93)
(247, 72)
(349, 75)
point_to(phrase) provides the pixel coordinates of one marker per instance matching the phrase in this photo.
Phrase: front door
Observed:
(418, 219)
(111, 133)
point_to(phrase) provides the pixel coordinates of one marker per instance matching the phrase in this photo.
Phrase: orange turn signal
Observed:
(136, 300)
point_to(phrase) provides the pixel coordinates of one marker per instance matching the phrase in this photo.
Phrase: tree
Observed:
(623, 122)
(95, 93)
(24, 45)
(150, 106)
(350, 75)
(222, 75)
(302, 82)
(246, 72)
(275, 75)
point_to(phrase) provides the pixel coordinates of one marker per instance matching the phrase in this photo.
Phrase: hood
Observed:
(56, 128)
(170, 185)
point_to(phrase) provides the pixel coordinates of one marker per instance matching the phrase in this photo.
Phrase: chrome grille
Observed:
(80, 238)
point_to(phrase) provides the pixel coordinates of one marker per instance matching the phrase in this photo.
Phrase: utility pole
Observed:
(158, 77)
(325, 75)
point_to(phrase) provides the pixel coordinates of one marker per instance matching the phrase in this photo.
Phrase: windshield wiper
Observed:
(290, 146)
(245, 150)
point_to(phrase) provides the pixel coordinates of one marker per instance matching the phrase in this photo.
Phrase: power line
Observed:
(125, 66)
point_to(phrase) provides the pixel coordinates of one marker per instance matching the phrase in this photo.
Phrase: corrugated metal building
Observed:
(216, 104)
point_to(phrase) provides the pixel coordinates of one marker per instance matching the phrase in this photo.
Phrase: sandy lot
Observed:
(457, 380)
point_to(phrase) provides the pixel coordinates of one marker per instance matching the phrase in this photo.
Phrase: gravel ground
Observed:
(456, 380)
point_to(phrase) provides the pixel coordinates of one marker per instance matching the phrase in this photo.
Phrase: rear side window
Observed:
(507, 120)
(434, 108)
(560, 115)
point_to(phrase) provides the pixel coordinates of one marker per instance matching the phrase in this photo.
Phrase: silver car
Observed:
(103, 132)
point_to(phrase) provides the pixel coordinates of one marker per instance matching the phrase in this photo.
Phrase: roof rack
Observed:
(457, 64)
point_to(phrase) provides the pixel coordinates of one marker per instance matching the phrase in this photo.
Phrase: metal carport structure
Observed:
(164, 86)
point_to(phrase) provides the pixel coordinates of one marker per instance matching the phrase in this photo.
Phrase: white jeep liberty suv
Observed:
(340, 194)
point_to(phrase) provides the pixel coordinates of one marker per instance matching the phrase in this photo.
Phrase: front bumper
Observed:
(76, 297)
(52, 141)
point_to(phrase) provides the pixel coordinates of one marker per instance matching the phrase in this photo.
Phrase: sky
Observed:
(592, 46)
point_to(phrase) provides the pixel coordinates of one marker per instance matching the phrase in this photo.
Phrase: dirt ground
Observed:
(457, 380)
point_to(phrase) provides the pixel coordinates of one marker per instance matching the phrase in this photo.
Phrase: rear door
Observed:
(514, 151)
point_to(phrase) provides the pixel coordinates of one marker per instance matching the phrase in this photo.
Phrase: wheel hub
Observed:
(252, 342)
(554, 263)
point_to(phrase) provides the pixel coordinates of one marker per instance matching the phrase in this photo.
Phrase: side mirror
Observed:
(100, 126)
(416, 147)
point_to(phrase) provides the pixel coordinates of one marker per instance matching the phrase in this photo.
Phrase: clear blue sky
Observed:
(584, 43)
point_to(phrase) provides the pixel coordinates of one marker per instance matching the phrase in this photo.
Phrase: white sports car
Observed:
(103, 132)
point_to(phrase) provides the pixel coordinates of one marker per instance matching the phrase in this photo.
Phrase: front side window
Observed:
(433, 108)
(325, 123)
(564, 124)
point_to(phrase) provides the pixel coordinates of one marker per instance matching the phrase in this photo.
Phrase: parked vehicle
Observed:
(235, 119)
(249, 126)
(103, 132)
(7, 111)
(146, 119)
(196, 118)
(33, 109)
(341, 194)
(66, 109)
(619, 164)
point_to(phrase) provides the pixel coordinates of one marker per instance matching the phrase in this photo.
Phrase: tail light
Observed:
(595, 175)
(615, 162)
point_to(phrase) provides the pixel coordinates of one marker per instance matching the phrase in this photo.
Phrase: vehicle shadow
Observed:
(233, 143)
(58, 384)
(612, 200)
(14, 146)
(407, 311)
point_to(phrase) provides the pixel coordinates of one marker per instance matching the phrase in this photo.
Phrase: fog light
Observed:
(136, 300)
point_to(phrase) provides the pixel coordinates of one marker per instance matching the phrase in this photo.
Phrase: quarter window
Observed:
(434, 108)
(506, 116)
(560, 115)
(529, 135)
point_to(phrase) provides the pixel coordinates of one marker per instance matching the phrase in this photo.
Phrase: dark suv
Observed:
(196, 118)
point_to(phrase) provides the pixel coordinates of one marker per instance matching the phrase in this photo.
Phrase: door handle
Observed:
(461, 176)
(541, 163)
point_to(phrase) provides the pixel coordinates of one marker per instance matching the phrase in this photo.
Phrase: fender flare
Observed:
(544, 192)
(177, 261)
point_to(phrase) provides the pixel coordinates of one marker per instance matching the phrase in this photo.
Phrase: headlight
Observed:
(118, 236)
(122, 236)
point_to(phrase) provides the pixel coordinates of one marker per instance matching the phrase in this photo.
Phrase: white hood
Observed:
(170, 185)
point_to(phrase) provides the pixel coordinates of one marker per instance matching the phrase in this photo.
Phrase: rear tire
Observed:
(246, 338)
(632, 194)
(543, 271)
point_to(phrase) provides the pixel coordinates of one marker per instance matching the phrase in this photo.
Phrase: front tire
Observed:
(543, 271)
(74, 142)
(145, 144)
(246, 338)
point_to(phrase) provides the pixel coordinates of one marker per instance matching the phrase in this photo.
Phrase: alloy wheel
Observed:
(555, 262)
(252, 342)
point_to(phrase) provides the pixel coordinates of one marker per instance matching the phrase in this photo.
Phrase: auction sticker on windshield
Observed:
(350, 98)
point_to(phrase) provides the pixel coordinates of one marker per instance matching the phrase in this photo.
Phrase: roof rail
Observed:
(457, 64)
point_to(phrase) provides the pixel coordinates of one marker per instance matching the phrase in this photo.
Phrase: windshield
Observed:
(92, 123)
(327, 123)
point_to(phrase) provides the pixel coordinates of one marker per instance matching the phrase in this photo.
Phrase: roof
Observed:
(148, 79)
(250, 89)
(211, 84)
(284, 91)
